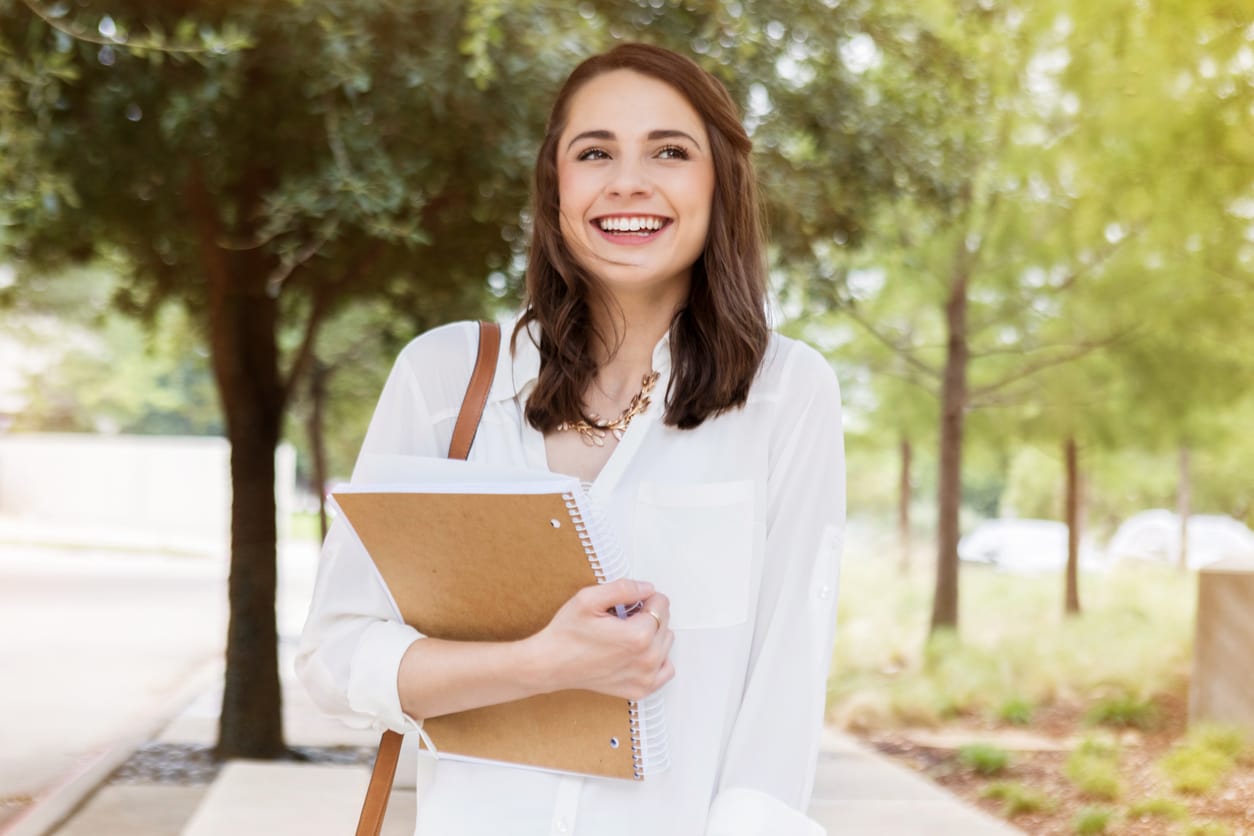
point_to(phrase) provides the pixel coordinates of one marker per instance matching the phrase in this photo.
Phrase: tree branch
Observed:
(85, 36)
(323, 295)
(1080, 349)
(904, 352)
(280, 274)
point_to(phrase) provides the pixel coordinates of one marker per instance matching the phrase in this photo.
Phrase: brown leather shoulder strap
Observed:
(375, 806)
(477, 392)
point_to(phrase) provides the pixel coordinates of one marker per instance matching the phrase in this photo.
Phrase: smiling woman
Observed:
(645, 281)
(625, 184)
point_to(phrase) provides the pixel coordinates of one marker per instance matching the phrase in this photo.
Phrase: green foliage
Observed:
(1017, 799)
(1203, 761)
(1089, 820)
(1134, 637)
(984, 758)
(1206, 828)
(1161, 808)
(1015, 711)
(1124, 710)
(91, 369)
(1231, 741)
(1094, 769)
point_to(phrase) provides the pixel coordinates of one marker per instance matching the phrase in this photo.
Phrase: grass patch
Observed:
(1089, 820)
(1195, 770)
(984, 758)
(1015, 711)
(1228, 740)
(1015, 651)
(1203, 760)
(1158, 808)
(1094, 769)
(1016, 798)
(1125, 711)
(1207, 828)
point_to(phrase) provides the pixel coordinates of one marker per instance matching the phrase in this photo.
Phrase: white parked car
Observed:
(1023, 546)
(1155, 536)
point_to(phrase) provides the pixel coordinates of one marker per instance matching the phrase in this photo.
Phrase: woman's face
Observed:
(635, 183)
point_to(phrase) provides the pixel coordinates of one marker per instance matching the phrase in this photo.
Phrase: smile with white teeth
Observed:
(641, 224)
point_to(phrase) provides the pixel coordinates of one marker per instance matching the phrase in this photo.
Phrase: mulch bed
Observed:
(1231, 804)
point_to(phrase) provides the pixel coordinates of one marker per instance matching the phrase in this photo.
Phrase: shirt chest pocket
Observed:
(694, 542)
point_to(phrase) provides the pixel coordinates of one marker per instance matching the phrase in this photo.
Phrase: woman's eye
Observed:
(593, 154)
(673, 152)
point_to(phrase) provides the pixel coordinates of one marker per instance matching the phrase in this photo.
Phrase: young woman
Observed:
(642, 364)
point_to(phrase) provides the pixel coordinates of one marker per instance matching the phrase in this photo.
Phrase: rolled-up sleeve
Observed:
(767, 774)
(353, 640)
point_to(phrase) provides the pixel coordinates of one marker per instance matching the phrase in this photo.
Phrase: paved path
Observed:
(92, 646)
(856, 791)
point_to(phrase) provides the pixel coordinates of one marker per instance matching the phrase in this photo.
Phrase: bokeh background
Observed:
(1023, 234)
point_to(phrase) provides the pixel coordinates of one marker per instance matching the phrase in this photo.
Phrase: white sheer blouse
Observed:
(740, 522)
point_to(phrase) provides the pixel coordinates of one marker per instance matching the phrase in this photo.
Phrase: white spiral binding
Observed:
(650, 752)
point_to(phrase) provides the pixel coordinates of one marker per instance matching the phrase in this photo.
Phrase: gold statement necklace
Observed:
(593, 434)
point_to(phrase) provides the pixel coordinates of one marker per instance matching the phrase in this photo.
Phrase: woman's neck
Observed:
(632, 327)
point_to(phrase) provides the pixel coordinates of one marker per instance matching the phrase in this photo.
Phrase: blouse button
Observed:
(562, 827)
(825, 592)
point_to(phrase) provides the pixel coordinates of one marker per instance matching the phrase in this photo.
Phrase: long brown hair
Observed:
(719, 336)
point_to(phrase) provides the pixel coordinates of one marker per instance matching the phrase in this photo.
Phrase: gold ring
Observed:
(656, 618)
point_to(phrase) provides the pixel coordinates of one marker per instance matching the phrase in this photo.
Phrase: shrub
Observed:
(983, 758)
(1094, 769)
(1158, 808)
(1093, 820)
(1015, 711)
(1194, 769)
(1124, 711)
(1227, 740)
(1207, 828)
(1016, 798)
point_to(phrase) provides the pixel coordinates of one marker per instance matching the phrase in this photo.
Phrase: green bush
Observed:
(1158, 808)
(1015, 711)
(1016, 798)
(984, 758)
(1124, 711)
(1094, 769)
(1194, 769)
(1227, 740)
(1091, 820)
(1207, 828)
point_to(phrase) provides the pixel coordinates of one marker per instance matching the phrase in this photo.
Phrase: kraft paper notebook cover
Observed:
(476, 554)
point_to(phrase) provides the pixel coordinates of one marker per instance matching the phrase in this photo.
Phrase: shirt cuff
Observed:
(740, 811)
(372, 680)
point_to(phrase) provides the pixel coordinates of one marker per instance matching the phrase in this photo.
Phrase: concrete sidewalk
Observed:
(856, 791)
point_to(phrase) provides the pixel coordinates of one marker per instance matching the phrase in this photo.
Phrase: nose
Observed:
(629, 179)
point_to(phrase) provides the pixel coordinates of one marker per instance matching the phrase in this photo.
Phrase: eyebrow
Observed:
(654, 136)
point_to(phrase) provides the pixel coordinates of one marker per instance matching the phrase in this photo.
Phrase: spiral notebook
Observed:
(475, 553)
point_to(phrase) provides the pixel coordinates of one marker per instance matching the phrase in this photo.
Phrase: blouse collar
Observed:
(516, 371)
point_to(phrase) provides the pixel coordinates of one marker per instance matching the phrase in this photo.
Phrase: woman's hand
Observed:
(587, 646)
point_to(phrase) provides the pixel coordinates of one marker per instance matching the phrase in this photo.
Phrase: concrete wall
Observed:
(125, 491)
(1222, 687)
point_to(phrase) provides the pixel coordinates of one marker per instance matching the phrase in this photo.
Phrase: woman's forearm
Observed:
(585, 646)
(439, 677)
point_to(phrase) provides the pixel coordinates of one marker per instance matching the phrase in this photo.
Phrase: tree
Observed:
(1064, 192)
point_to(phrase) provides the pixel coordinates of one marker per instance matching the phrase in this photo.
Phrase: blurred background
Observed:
(1023, 234)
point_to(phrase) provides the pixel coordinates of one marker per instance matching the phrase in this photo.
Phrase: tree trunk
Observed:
(953, 407)
(903, 509)
(1072, 503)
(243, 339)
(1184, 504)
(317, 439)
(251, 724)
